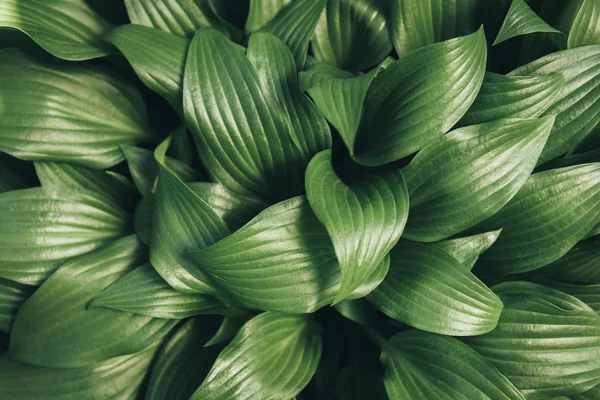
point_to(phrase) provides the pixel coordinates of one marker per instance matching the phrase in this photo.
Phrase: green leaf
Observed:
(428, 289)
(359, 311)
(272, 357)
(571, 159)
(423, 366)
(552, 212)
(504, 96)
(579, 265)
(142, 291)
(546, 342)
(467, 249)
(283, 250)
(352, 34)
(585, 30)
(469, 174)
(591, 394)
(295, 25)
(157, 57)
(54, 328)
(594, 231)
(67, 29)
(142, 219)
(262, 12)
(418, 23)
(575, 118)
(589, 294)
(179, 17)
(114, 379)
(522, 20)
(183, 362)
(12, 296)
(228, 329)
(182, 222)
(43, 227)
(182, 147)
(275, 65)
(364, 215)
(419, 98)
(54, 111)
(114, 187)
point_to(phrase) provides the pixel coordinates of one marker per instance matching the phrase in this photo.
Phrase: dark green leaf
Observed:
(359, 310)
(12, 296)
(585, 30)
(360, 382)
(272, 357)
(419, 98)
(364, 216)
(68, 29)
(423, 366)
(570, 160)
(284, 250)
(54, 328)
(428, 289)
(40, 228)
(580, 264)
(228, 329)
(54, 111)
(182, 147)
(552, 212)
(522, 20)
(469, 174)
(468, 249)
(142, 219)
(546, 342)
(589, 294)
(262, 12)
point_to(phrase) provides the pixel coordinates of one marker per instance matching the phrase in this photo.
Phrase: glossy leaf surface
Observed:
(522, 20)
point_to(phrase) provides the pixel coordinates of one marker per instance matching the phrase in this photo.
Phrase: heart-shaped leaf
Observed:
(546, 342)
(428, 289)
(522, 20)
(54, 327)
(422, 366)
(364, 216)
(504, 96)
(352, 34)
(114, 379)
(157, 57)
(579, 265)
(273, 356)
(54, 111)
(43, 227)
(12, 296)
(585, 29)
(283, 250)
(419, 98)
(262, 12)
(552, 212)
(468, 249)
(67, 29)
(469, 174)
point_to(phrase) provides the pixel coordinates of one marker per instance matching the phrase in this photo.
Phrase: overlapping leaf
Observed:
(469, 174)
(419, 98)
(12, 296)
(589, 294)
(68, 29)
(580, 264)
(53, 111)
(468, 249)
(54, 328)
(273, 356)
(550, 214)
(263, 11)
(585, 29)
(142, 219)
(522, 20)
(364, 216)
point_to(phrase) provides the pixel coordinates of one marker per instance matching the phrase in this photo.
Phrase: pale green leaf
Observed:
(468, 249)
(272, 357)
(585, 29)
(12, 296)
(54, 327)
(262, 12)
(522, 20)
(469, 174)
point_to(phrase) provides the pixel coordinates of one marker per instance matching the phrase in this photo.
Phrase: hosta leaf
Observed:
(359, 310)
(591, 394)
(546, 342)
(142, 219)
(142, 291)
(284, 250)
(522, 20)
(580, 264)
(157, 57)
(272, 357)
(572, 159)
(182, 222)
(419, 98)
(12, 296)
(263, 11)
(428, 289)
(179, 17)
(295, 25)
(68, 29)
(53, 111)
(585, 30)
(228, 329)
(114, 379)
(504, 96)
(468, 249)
(423, 366)
(577, 107)
(54, 328)
(43, 227)
(114, 187)
(589, 294)
(469, 174)
(183, 362)
(364, 215)
(418, 23)
(550, 214)
(352, 35)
